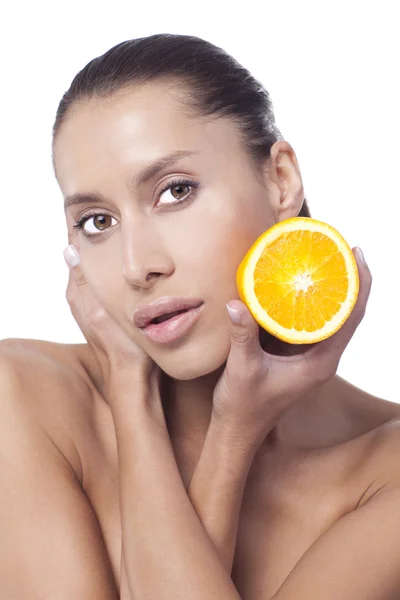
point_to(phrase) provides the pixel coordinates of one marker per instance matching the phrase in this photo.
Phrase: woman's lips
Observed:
(173, 328)
(144, 314)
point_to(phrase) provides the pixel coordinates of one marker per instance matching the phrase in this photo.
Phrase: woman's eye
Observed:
(177, 193)
(99, 222)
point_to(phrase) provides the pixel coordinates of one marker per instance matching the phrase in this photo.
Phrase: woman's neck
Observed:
(188, 406)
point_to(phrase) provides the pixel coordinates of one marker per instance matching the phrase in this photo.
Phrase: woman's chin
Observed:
(189, 372)
(193, 365)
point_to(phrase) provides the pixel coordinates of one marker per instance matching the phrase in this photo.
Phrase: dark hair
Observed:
(215, 85)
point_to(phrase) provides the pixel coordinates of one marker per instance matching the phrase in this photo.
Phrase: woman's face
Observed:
(192, 248)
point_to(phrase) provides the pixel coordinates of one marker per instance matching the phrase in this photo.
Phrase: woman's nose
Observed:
(145, 260)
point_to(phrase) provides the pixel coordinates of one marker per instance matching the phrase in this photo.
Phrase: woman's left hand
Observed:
(257, 388)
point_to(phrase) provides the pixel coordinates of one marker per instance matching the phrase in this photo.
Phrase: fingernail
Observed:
(361, 255)
(71, 256)
(234, 315)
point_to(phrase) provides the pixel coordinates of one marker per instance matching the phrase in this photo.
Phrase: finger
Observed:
(246, 350)
(84, 306)
(73, 259)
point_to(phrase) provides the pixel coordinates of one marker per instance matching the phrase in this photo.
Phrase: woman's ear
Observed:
(284, 181)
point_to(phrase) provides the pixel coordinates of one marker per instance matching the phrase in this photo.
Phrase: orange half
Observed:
(299, 280)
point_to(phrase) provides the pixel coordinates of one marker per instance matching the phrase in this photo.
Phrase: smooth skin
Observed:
(221, 465)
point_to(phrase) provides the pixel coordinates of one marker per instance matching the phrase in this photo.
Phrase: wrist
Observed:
(242, 437)
(135, 401)
(231, 446)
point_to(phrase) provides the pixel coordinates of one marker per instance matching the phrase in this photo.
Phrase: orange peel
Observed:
(299, 280)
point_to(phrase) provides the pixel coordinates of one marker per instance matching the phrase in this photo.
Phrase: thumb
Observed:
(244, 329)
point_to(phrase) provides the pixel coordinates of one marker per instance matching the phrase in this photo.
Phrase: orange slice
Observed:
(299, 280)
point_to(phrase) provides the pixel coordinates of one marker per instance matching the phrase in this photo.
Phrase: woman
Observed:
(201, 458)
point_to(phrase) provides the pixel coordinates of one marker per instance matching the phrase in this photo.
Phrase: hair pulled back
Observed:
(215, 85)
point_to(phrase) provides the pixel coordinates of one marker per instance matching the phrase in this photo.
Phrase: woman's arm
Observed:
(51, 543)
(217, 485)
(166, 551)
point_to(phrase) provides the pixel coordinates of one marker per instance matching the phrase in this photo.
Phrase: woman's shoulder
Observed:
(49, 381)
(367, 463)
(43, 402)
(61, 356)
(383, 460)
(68, 364)
(371, 452)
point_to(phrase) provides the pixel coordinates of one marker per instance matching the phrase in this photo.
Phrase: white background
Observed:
(332, 70)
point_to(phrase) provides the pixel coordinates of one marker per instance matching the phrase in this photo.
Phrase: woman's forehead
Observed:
(134, 130)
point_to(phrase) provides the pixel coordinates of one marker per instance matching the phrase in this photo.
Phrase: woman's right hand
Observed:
(119, 358)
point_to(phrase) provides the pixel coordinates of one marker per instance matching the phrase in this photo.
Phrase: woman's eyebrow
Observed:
(165, 161)
(81, 199)
(144, 176)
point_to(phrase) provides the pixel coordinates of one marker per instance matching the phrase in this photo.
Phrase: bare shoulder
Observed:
(385, 461)
(361, 530)
(50, 531)
(366, 450)
(61, 356)
(374, 460)
(54, 388)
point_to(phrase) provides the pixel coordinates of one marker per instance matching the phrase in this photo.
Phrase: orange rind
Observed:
(299, 280)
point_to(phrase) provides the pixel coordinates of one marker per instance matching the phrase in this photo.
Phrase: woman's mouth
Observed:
(171, 326)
